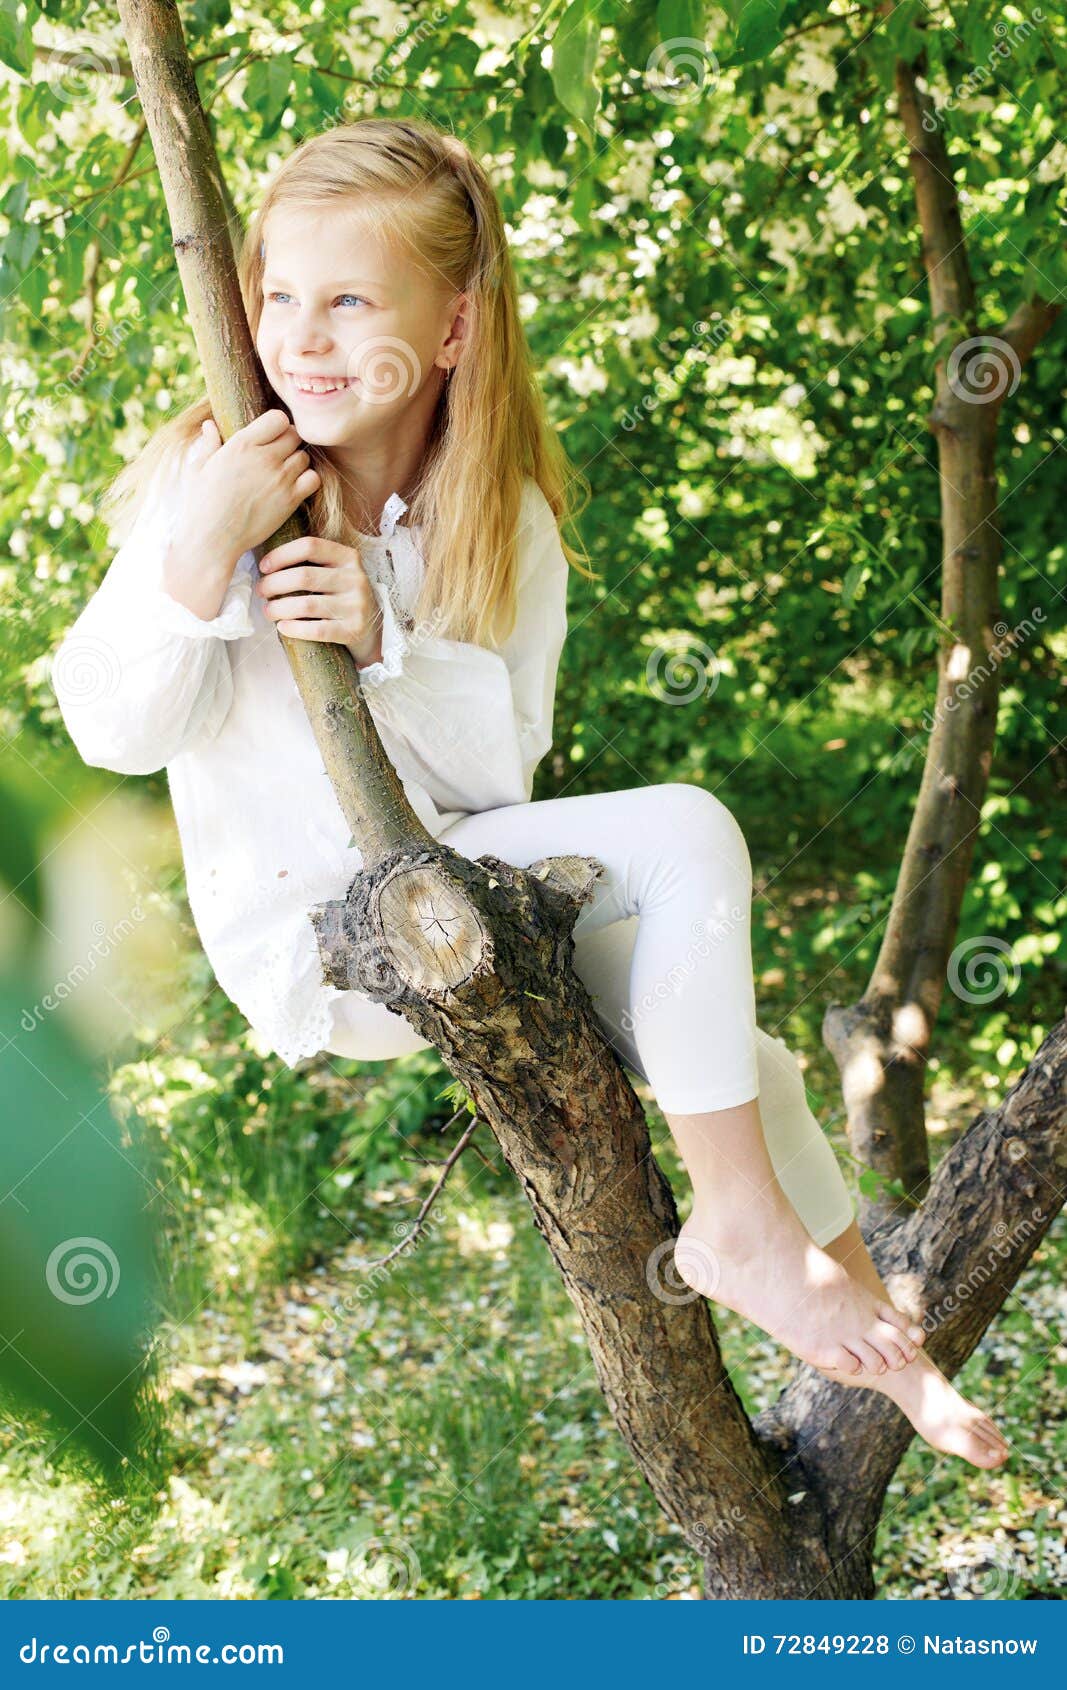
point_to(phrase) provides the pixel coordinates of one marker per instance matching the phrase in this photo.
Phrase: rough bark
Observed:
(951, 1266)
(881, 1044)
(477, 956)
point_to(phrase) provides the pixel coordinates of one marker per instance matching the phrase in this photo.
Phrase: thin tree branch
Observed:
(439, 1185)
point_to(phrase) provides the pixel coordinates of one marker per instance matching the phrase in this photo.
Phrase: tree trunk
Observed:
(881, 1043)
(477, 957)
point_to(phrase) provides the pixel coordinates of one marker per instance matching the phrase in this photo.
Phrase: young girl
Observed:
(378, 284)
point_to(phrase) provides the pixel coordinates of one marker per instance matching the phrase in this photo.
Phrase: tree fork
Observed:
(477, 957)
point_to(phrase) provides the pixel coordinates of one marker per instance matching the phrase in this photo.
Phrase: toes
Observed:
(900, 1322)
(992, 1444)
(873, 1359)
(908, 1332)
(899, 1351)
(893, 1315)
(992, 1457)
(845, 1362)
(893, 1344)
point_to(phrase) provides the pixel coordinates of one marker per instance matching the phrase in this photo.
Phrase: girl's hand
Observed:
(333, 598)
(241, 491)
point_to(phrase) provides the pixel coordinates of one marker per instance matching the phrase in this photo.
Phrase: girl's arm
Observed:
(471, 725)
(139, 676)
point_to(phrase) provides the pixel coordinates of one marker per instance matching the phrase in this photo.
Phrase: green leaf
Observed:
(16, 39)
(758, 29)
(680, 20)
(582, 203)
(575, 46)
(871, 1183)
(267, 90)
(852, 580)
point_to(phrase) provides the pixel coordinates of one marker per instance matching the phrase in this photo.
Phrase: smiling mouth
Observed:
(323, 385)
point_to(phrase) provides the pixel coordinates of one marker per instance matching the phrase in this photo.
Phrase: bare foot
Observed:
(763, 1265)
(940, 1415)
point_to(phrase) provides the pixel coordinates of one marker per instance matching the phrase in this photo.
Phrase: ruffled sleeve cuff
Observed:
(233, 622)
(394, 641)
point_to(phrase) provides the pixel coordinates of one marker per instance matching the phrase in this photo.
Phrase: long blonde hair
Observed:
(490, 430)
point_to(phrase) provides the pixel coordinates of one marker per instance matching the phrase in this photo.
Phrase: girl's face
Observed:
(343, 310)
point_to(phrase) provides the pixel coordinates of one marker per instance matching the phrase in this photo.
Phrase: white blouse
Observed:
(143, 683)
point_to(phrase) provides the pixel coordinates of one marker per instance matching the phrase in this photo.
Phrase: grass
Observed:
(434, 1429)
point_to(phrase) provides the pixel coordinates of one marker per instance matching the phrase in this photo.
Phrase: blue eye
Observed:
(357, 296)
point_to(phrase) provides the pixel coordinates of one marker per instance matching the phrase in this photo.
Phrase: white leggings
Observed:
(664, 951)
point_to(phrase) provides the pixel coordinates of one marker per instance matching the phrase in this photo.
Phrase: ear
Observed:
(459, 332)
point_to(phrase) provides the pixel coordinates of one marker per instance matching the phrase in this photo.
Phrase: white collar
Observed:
(392, 511)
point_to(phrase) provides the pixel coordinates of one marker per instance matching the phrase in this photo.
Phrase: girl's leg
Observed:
(803, 1159)
(368, 1031)
(808, 1172)
(931, 1402)
(674, 856)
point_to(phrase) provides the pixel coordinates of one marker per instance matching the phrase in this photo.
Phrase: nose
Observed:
(307, 332)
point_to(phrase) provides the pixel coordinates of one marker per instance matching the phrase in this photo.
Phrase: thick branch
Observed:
(951, 1267)
(1027, 326)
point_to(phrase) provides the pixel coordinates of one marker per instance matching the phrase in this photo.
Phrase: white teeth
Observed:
(320, 386)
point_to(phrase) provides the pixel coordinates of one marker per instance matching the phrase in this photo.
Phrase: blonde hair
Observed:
(490, 430)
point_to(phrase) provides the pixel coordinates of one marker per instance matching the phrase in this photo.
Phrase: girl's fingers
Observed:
(312, 578)
(308, 629)
(205, 441)
(306, 548)
(311, 605)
